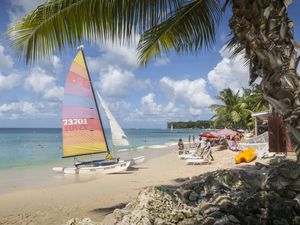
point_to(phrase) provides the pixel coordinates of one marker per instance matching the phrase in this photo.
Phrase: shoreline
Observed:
(42, 176)
(96, 198)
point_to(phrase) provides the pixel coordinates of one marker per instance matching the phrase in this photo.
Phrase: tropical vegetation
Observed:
(235, 108)
(261, 29)
(199, 124)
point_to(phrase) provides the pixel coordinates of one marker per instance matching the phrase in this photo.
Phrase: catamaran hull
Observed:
(114, 168)
(137, 160)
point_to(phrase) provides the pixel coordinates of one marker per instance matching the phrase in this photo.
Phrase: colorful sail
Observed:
(118, 136)
(82, 128)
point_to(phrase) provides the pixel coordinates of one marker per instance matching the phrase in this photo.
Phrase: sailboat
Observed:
(82, 128)
(172, 127)
(119, 138)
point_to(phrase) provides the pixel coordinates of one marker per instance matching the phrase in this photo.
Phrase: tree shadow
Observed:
(107, 210)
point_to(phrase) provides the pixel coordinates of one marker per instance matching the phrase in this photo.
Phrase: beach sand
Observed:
(98, 197)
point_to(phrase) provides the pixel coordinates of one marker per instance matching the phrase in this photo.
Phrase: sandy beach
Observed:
(98, 197)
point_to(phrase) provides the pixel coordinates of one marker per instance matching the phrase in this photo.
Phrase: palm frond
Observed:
(180, 32)
(58, 24)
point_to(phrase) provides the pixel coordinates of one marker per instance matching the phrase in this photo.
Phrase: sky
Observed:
(170, 88)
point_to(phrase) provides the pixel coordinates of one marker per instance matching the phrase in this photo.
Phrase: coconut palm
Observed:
(232, 112)
(260, 28)
(254, 98)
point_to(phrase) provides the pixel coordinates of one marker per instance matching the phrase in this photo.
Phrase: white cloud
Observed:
(42, 83)
(6, 61)
(56, 62)
(229, 73)
(185, 100)
(191, 93)
(163, 60)
(8, 82)
(123, 56)
(28, 110)
(150, 106)
(119, 106)
(115, 82)
(15, 109)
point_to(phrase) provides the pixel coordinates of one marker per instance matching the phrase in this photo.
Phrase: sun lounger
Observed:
(199, 160)
(186, 155)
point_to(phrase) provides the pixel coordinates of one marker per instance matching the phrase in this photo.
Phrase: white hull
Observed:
(114, 168)
(137, 160)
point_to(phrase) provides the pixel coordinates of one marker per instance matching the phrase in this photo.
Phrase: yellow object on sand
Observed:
(247, 156)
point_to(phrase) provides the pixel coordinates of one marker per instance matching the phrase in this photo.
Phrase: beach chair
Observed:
(192, 153)
(199, 159)
(232, 145)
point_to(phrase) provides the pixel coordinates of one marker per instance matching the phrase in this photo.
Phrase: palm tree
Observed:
(233, 111)
(254, 98)
(260, 28)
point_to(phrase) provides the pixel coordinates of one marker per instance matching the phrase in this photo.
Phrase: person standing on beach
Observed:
(190, 140)
(194, 140)
(208, 146)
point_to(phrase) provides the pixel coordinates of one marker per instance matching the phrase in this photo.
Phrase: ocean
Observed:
(28, 154)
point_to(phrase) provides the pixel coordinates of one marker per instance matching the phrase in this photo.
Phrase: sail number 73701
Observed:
(74, 122)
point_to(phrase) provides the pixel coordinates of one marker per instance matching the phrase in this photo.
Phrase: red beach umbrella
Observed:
(208, 135)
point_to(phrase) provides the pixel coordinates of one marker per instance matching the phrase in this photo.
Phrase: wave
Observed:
(157, 146)
(141, 147)
(123, 150)
(170, 144)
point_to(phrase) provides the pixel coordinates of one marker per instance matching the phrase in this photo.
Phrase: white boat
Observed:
(82, 128)
(119, 138)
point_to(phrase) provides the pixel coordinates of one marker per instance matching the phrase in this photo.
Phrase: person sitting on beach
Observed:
(180, 144)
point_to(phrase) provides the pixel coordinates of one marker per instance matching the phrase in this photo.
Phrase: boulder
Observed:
(85, 221)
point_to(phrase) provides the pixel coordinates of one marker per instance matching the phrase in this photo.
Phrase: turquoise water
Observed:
(27, 148)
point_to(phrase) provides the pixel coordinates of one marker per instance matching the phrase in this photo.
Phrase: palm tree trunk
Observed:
(263, 28)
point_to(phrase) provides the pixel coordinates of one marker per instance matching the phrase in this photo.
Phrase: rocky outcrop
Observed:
(85, 221)
(265, 194)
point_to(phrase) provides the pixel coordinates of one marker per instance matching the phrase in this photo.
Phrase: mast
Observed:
(80, 48)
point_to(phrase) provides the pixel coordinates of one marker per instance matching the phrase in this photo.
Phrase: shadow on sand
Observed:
(108, 210)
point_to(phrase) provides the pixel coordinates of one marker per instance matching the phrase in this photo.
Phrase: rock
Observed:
(209, 209)
(230, 197)
(216, 214)
(85, 221)
(295, 186)
(289, 173)
(233, 219)
(226, 205)
(250, 220)
(260, 166)
(280, 222)
(193, 196)
(223, 221)
(297, 198)
(208, 221)
(287, 194)
(296, 220)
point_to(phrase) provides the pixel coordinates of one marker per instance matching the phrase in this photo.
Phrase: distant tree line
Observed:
(199, 124)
